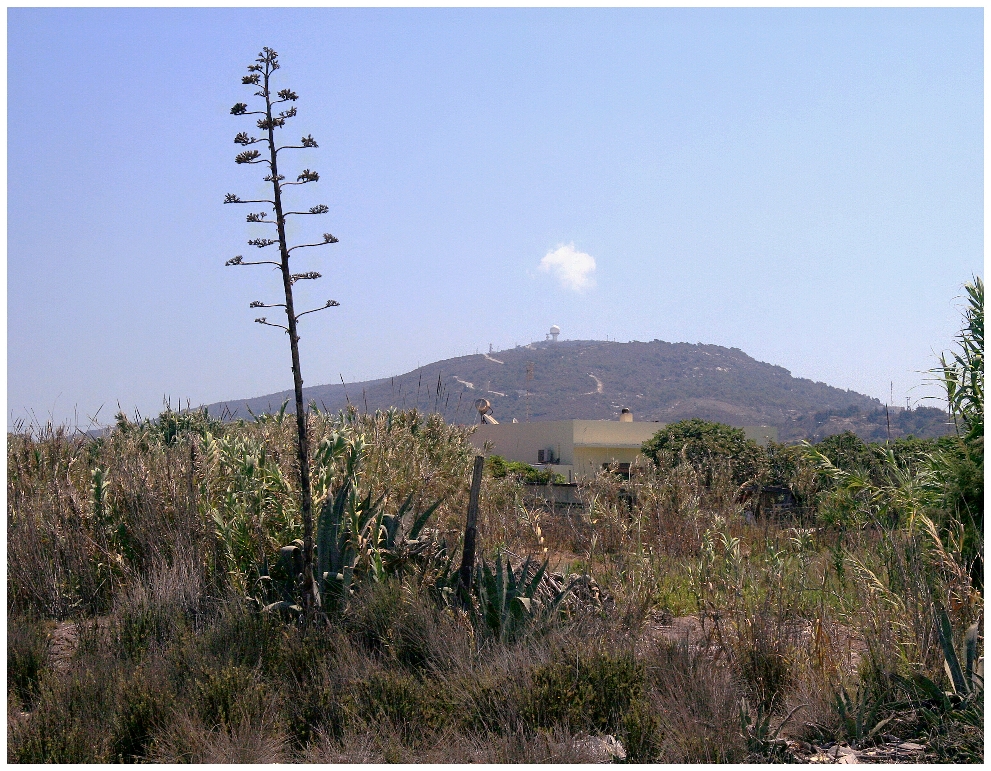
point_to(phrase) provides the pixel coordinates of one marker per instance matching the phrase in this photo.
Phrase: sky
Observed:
(805, 185)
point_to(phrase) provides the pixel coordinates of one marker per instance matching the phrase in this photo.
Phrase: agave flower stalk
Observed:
(272, 117)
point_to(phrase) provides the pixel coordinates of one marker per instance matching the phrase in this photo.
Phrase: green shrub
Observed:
(143, 703)
(488, 699)
(240, 636)
(639, 730)
(392, 626)
(230, 694)
(696, 706)
(411, 704)
(140, 625)
(314, 710)
(590, 694)
(848, 452)
(498, 468)
(69, 723)
(705, 445)
(27, 655)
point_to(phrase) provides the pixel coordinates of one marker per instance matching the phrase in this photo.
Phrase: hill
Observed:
(591, 379)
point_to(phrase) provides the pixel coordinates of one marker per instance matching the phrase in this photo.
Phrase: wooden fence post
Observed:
(468, 555)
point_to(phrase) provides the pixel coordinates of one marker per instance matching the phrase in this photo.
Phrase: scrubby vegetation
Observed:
(498, 467)
(685, 614)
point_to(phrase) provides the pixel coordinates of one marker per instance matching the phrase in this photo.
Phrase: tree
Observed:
(849, 452)
(702, 443)
(259, 75)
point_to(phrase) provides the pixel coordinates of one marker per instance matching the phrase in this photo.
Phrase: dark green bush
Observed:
(229, 695)
(143, 702)
(69, 722)
(588, 693)
(488, 699)
(639, 731)
(315, 709)
(498, 467)
(411, 704)
(27, 655)
(379, 620)
(696, 705)
(240, 636)
(395, 624)
(848, 452)
(705, 445)
(140, 625)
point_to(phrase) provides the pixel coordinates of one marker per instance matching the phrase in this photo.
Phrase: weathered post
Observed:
(468, 555)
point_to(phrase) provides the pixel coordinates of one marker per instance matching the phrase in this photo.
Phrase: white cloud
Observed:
(572, 268)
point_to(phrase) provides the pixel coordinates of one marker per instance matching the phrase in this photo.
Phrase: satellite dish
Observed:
(485, 412)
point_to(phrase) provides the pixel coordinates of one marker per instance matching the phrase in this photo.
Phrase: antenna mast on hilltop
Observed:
(529, 379)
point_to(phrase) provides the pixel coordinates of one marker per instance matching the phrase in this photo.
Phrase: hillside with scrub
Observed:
(727, 602)
(594, 380)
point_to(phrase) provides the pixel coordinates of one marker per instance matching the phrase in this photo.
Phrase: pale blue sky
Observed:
(805, 185)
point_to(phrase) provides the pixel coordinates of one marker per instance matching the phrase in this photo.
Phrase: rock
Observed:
(841, 754)
(602, 749)
(911, 747)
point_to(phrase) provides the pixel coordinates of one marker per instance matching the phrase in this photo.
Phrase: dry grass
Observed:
(188, 739)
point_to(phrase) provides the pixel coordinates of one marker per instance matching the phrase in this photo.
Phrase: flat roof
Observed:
(584, 433)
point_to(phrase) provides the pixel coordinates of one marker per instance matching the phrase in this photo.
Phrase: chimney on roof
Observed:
(626, 416)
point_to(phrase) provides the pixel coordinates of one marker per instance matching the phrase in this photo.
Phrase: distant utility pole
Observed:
(529, 379)
(891, 401)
